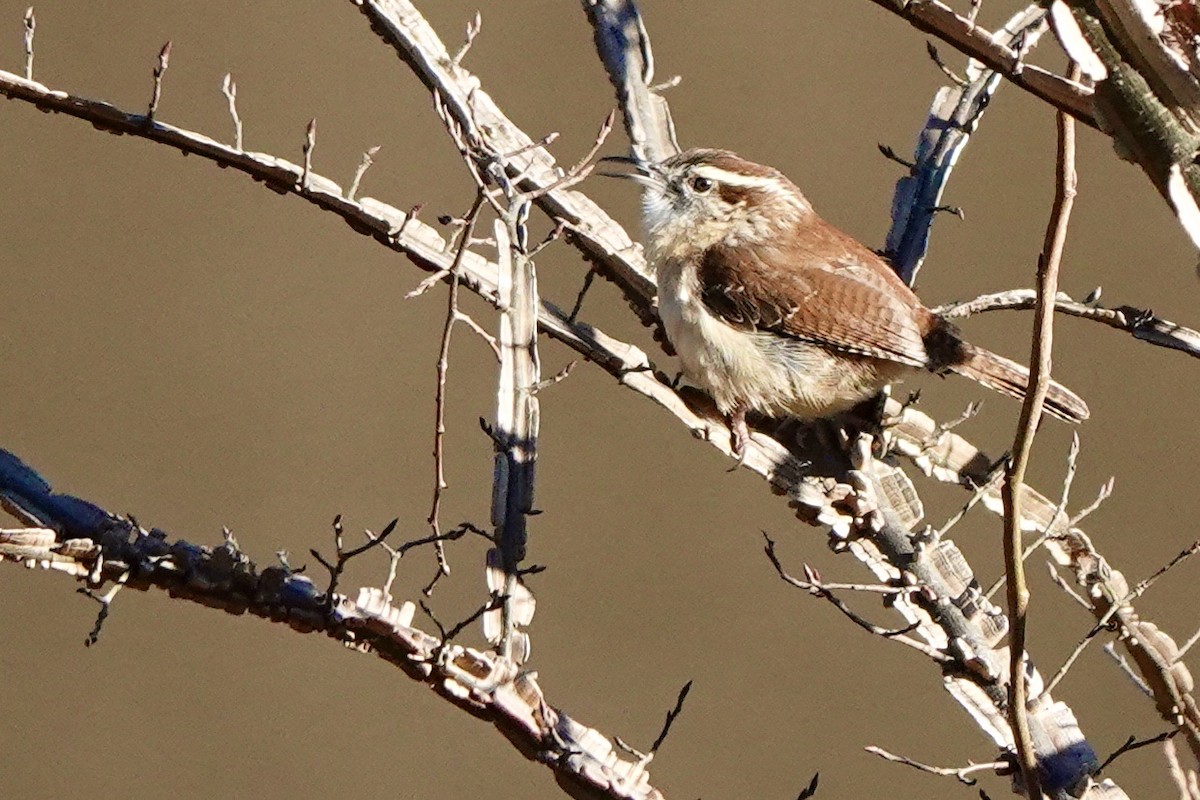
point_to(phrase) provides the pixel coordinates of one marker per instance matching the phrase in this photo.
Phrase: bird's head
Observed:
(702, 197)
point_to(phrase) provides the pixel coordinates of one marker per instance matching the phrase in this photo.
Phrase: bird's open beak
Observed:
(635, 169)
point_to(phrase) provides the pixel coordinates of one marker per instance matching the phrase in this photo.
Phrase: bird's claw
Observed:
(739, 436)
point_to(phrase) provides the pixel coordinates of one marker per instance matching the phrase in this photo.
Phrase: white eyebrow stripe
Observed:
(735, 178)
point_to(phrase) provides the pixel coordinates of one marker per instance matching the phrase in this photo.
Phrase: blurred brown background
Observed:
(183, 345)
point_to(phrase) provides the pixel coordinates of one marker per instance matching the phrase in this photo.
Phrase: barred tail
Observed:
(1010, 378)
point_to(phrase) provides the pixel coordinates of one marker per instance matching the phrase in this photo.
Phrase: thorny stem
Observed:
(1031, 411)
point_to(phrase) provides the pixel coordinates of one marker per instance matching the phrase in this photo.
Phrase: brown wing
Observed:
(788, 288)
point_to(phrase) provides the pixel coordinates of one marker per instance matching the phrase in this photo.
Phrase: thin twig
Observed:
(427, 283)
(1031, 411)
(1110, 650)
(545, 141)
(936, 57)
(557, 377)
(443, 365)
(397, 234)
(583, 290)
(554, 235)
(890, 154)
(1188, 645)
(1100, 625)
(229, 89)
(160, 69)
(672, 715)
(310, 144)
(1061, 583)
(447, 635)
(980, 492)
(397, 553)
(1134, 743)
(105, 600)
(473, 27)
(1143, 585)
(961, 773)
(1105, 492)
(974, 12)
(1068, 480)
(1137, 591)
(30, 27)
(367, 160)
(938, 19)
(470, 322)
(583, 167)
(645, 758)
(814, 587)
(342, 556)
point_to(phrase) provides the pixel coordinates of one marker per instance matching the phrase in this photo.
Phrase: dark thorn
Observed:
(892, 155)
(671, 716)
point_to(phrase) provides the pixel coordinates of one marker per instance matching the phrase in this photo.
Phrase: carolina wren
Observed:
(772, 309)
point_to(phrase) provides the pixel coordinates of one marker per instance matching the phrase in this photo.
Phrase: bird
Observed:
(771, 309)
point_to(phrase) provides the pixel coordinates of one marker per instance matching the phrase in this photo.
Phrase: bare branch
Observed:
(1133, 743)
(1031, 412)
(342, 555)
(443, 366)
(1140, 323)
(624, 48)
(628, 363)
(963, 774)
(935, 17)
(597, 235)
(223, 578)
(516, 432)
(814, 587)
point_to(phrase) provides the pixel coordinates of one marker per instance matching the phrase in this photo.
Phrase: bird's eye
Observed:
(700, 184)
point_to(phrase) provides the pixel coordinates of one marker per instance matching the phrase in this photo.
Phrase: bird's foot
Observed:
(739, 436)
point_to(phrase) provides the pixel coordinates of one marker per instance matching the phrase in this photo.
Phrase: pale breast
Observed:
(763, 371)
(730, 364)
